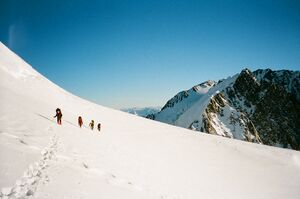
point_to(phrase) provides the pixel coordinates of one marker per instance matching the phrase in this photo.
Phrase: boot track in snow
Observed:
(26, 185)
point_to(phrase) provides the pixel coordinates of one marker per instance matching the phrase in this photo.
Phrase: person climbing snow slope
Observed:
(92, 124)
(58, 116)
(80, 122)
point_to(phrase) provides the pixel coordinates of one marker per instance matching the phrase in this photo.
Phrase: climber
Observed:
(58, 116)
(80, 122)
(92, 124)
(99, 126)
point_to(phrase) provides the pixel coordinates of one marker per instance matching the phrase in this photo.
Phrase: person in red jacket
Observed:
(58, 116)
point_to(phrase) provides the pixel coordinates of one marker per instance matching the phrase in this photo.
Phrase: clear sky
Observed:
(128, 53)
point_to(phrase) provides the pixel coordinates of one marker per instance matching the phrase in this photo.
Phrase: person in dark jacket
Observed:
(92, 124)
(99, 126)
(58, 116)
(80, 122)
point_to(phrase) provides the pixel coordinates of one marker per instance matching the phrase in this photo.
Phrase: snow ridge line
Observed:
(26, 185)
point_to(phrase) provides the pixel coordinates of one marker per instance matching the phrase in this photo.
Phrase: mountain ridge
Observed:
(238, 107)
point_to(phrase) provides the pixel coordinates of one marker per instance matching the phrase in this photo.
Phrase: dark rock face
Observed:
(277, 118)
(215, 106)
(275, 96)
(289, 80)
(151, 116)
(237, 118)
(177, 98)
(247, 86)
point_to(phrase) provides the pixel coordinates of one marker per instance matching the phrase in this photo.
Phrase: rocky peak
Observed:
(195, 90)
(203, 87)
(275, 96)
(261, 106)
(246, 85)
(289, 80)
(177, 98)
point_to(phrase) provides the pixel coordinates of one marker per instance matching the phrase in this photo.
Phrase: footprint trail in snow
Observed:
(26, 185)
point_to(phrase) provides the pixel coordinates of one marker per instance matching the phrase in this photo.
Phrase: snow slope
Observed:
(198, 107)
(182, 102)
(131, 157)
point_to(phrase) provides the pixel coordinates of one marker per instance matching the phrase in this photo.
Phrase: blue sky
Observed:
(122, 53)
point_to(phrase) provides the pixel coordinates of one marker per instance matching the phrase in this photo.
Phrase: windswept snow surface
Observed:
(131, 157)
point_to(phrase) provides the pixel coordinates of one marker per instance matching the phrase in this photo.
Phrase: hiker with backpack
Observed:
(99, 126)
(58, 116)
(80, 122)
(92, 125)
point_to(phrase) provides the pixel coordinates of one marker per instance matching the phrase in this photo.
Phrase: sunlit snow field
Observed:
(131, 157)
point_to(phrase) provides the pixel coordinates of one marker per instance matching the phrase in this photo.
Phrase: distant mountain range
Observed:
(143, 112)
(261, 106)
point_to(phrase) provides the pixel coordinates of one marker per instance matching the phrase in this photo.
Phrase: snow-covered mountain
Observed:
(143, 112)
(262, 107)
(132, 157)
(181, 103)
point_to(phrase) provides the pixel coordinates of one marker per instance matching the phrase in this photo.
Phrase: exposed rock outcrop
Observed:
(261, 106)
